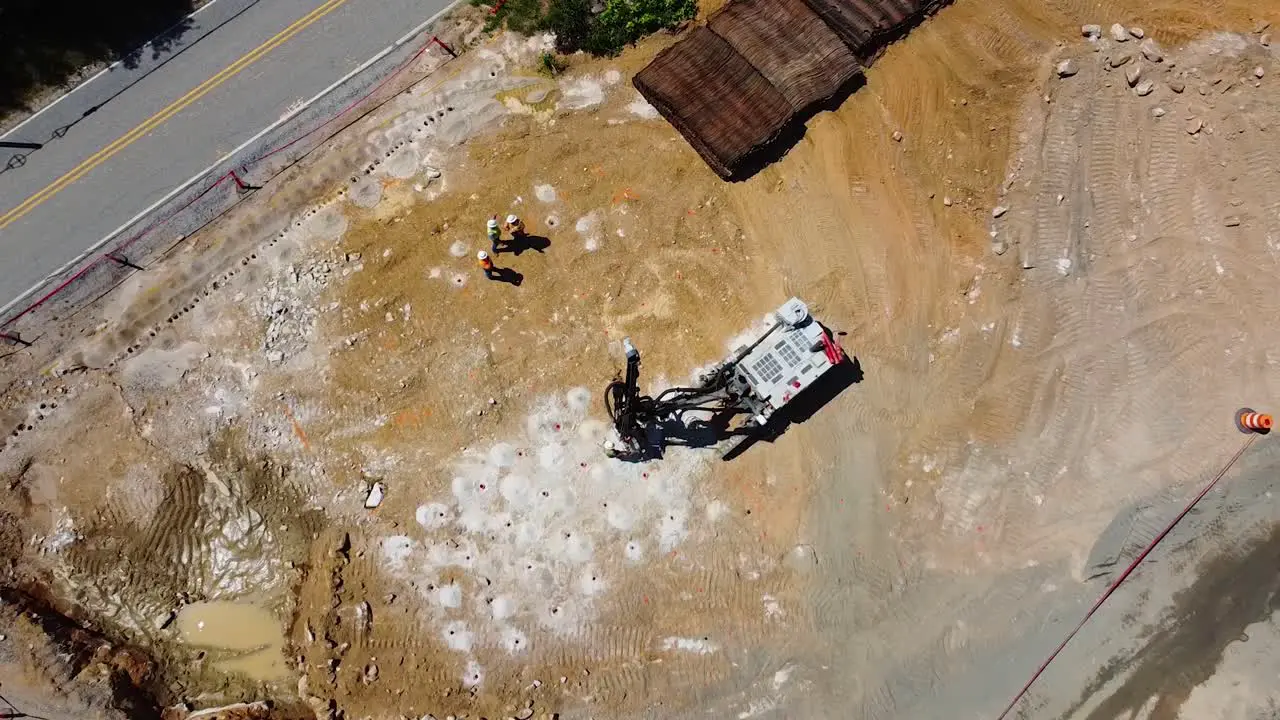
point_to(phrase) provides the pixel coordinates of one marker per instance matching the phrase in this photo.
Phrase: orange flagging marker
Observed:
(1248, 421)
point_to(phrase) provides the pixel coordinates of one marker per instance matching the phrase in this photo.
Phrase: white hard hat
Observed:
(482, 255)
(512, 219)
(493, 222)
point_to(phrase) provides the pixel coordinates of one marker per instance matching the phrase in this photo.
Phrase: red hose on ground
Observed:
(1125, 575)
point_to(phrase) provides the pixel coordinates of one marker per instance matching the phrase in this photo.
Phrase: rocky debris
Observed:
(524, 714)
(1119, 60)
(1067, 68)
(1119, 33)
(1144, 88)
(1133, 74)
(1231, 221)
(1137, 32)
(1157, 112)
(323, 709)
(998, 211)
(1093, 32)
(1177, 85)
(364, 617)
(1194, 125)
(374, 498)
(370, 673)
(897, 136)
(1151, 51)
(287, 303)
(1265, 40)
(1258, 72)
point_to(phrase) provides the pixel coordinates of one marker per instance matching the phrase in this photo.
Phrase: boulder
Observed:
(1151, 51)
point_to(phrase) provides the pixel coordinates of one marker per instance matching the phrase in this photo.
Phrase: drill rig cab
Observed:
(757, 380)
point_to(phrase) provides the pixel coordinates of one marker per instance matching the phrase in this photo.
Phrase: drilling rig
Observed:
(756, 380)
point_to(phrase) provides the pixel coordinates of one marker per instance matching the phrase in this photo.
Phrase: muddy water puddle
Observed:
(243, 639)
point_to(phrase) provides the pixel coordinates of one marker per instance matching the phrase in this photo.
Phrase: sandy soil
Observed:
(1043, 384)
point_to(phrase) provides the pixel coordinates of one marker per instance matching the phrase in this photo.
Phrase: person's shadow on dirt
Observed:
(521, 243)
(506, 275)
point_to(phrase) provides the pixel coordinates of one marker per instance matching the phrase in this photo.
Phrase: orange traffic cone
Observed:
(1248, 421)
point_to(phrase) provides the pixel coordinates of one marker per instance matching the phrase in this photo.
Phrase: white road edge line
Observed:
(99, 74)
(205, 172)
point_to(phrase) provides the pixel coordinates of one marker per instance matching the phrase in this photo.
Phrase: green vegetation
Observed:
(576, 27)
(550, 64)
(43, 44)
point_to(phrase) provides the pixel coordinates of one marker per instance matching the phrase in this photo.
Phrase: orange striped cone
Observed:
(1249, 421)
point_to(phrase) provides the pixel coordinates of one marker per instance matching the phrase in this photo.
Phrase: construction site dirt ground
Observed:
(1058, 291)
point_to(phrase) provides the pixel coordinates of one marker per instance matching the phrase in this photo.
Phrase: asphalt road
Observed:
(121, 141)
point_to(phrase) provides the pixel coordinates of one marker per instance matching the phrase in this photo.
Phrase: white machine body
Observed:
(793, 352)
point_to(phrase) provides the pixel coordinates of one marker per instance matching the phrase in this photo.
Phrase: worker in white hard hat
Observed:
(515, 226)
(495, 235)
(486, 264)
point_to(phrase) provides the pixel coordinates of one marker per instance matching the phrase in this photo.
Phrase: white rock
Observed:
(1067, 68)
(1093, 32)
(1133, 74)
(1258, 72)
(946, 201)
(1157, 112)
(1151, 51)
(376, 493)
(1137, 32)
(1144, 88)
(1265, 40)
(998, 211)
(1194, 125)
(1118, 33)
(897, 134)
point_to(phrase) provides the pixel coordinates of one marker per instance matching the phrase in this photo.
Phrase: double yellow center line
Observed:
(175, 107)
